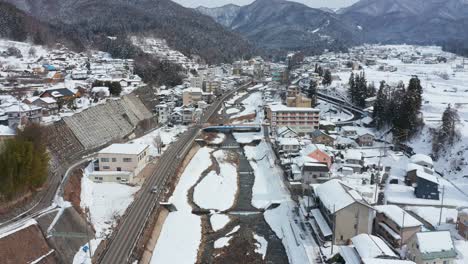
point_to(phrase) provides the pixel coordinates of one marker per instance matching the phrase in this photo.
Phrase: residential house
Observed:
(21, 113)
(286, 132)
(54, 77)
(462, 223)
(349, 131)
(422, 160)
(164, 113)
(411, 172)
(395, 225)
(319, 152)
(320, 137)
(315, 172)
(299, 100)
(48, 104)
(369, 249)
(191, 96)
(344, 209)
(434, 247)
(427, 186)
(365, 138)
(59, 94)
(288, 145)
(120, 162)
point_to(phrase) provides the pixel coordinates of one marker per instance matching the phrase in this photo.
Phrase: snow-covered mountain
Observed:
(224, 15)
(410, 21)
(279, 24)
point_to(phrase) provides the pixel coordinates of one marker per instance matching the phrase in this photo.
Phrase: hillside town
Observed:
(276, 157)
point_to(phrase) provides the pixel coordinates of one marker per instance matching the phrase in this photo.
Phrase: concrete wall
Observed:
(351, 221)
(96, 127)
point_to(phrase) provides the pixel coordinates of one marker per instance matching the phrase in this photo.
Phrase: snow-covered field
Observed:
(181, 233)
(167, 135)
(251, 104)
(106, 202)
(218, 191)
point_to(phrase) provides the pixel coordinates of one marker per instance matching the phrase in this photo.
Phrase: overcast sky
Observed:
(311, 3)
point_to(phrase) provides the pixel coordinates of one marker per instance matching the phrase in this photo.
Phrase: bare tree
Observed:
(157, 142)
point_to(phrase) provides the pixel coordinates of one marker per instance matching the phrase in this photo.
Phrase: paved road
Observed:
(124, 240)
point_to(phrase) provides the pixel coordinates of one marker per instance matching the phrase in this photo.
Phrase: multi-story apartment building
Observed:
(301, 120)
(299, 100)
(192, 96)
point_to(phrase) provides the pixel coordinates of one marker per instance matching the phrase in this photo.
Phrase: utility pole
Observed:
(441, 205)
(333, 234)
(401, 230)
(87, 234)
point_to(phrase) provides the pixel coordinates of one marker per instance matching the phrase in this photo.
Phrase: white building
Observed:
(120, 162)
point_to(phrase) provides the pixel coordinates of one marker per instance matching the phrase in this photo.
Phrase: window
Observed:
(119, 169)
(114, 159)
(341, 237)
(105, 167)
(118, 178)
(127, 159)
(104, 159)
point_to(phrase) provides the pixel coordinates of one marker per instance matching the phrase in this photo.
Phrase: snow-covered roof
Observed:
(288, 141)
(369, 246)
(395, 213)
(20, 107)
(421, 159)
(386, 261)
(353, 154)
(434, 241)
(284, 108)
(341, 197)
(350, 255)
(48, 100)
(129, 149)
(322, 224)
(427, 176)
(193, 90)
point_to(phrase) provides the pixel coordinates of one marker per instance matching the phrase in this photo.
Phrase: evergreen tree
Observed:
(312, 92)
(379, 113)
(352, 88)
(327, 78)
(447, 134)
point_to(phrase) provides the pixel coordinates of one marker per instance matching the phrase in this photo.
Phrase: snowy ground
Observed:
(106, 202)
(181, 233)
(218, 191)
(332, 113)
(167, 135)
(251, 104)
(432, 214)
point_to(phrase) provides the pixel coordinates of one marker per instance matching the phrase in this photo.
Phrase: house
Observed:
(286, 132)
(21, 113)
(411, 172)
(288, 145)
(349, 131)
(191, 96)
(120, 162)
(365, 138)
(315, 172)
(395, 225)
(320, 137)
(48, 104)
(63, 94)
(427, 186)
(422, 160)
(164, 113)
(299, 100)
(369, 249)
(462, 223)
(319, 152)
(431, 247)
(344, 209)
(54, 77)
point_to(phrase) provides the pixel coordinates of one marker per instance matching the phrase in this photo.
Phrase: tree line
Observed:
(24, 162)
(399, 107)
(359, 90)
